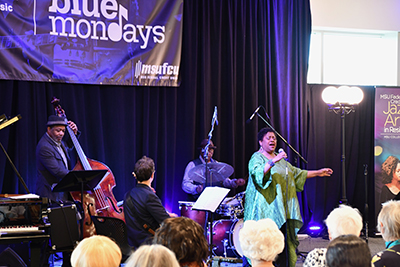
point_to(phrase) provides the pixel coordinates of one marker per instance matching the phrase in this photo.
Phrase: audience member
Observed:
(96, 251)
(341, 221)
(348, 251)
(152, 256)
(389, 226)
(185, 238)
(261, 241)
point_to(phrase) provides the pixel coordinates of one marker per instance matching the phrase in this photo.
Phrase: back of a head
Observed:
(261, 240)
(344, 220)
(96, 251)
(348, 251)
(389, 219)
(144, 168)
(152, 256)
(185, 238)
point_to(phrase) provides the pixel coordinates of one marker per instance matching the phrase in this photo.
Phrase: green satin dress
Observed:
(266, 197)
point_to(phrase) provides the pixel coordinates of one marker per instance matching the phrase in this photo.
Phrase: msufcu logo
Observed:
(91, 24)
(150, 71)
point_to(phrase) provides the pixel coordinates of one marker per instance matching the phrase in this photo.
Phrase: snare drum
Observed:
(231, 207)
(196, 215)
(226, 238)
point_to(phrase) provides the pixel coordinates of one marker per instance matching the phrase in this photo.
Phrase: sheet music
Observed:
(211, 198)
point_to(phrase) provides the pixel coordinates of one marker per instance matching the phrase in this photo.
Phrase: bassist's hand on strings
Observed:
(73, 127)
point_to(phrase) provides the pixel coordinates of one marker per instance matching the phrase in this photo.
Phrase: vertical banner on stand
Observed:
(387, 145)
(122, 42)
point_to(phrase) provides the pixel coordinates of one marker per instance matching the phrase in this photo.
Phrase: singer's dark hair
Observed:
(263, 132)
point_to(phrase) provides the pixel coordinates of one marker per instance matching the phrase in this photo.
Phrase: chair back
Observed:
(115, 229)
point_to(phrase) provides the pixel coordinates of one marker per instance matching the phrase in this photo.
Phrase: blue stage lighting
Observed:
(314, 229)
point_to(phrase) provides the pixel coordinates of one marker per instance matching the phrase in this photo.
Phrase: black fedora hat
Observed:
(55, 120)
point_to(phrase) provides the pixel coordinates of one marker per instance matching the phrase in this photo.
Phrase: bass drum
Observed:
(198, 216)
(226, 238)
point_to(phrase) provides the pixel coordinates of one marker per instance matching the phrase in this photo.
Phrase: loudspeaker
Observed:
(64, 232)
(222, 261)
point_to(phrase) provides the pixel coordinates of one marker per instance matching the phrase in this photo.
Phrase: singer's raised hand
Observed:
(281, 155)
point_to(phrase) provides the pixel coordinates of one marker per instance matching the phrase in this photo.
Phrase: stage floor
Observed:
(375, 244)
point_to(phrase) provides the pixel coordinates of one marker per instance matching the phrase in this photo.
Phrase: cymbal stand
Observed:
(208, 177)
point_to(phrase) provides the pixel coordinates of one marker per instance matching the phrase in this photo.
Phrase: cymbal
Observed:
(217, 170)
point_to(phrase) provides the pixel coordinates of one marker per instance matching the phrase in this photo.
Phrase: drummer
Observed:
(195, 187)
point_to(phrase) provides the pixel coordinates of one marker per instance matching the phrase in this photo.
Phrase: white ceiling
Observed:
(380, 15)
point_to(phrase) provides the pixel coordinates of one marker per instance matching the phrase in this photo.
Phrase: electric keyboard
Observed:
(20, 230)
(21, 215)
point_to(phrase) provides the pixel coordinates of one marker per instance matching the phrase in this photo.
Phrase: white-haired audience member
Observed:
(261, 241)
(389, 226)
(96, 251)
(348, 251)
(343, 220)
(152, 256)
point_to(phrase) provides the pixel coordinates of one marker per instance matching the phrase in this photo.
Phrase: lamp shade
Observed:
(343, 95)
(329, 95)
(356, 95)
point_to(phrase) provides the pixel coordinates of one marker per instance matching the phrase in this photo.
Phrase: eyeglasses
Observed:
(271, 137)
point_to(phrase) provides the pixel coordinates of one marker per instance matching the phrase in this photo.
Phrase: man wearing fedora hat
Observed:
(52, 160)
(194, 188)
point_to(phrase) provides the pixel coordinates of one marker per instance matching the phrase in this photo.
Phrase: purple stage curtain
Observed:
(236, 55)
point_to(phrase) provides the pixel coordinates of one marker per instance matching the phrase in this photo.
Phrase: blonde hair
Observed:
(261, 240)
(96, 251)
(152, 255)
(344, 220)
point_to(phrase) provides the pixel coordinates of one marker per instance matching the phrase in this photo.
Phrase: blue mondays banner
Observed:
(120, 42)
(387, 145)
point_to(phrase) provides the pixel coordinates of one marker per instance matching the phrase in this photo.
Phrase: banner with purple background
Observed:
(387, 145)
(119, 42)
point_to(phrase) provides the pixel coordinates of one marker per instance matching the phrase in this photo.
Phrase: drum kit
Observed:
(218, 171)
(229, 213)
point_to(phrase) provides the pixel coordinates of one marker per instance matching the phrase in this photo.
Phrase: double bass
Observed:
(100, 201)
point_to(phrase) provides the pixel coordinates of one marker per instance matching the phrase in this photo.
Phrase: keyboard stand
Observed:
(35, 244)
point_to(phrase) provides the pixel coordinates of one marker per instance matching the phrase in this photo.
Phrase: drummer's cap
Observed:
(204, 143)
(55, 120)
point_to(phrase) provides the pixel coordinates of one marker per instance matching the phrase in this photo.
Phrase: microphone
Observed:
(252, 115)
(215, 116)
(280, 151)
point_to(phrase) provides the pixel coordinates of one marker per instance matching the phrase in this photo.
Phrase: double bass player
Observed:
(53, 163)
(52, 159)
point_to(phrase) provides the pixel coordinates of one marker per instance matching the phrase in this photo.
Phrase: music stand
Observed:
(80, 181)
(209, 200)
